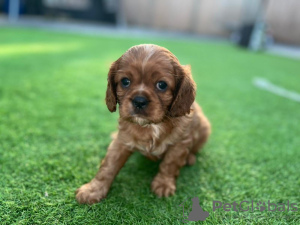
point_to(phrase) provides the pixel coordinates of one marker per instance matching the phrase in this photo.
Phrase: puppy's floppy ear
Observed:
(185, 91)
(111, 92)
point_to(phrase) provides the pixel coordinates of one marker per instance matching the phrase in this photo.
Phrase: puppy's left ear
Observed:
(111, 92)
(185, 91)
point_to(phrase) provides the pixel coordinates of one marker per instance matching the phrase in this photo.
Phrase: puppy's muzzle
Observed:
(140, 102)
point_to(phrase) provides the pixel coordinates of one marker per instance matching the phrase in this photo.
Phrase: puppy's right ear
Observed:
(111, 92)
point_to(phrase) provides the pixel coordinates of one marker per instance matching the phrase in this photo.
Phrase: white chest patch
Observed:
(156, 130)
(154, 145)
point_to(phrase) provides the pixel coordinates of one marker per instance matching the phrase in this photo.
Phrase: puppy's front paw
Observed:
(163, 186)
(91, 193)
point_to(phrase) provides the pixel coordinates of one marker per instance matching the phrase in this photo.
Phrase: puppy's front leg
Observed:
(97, 188)
(164, 183)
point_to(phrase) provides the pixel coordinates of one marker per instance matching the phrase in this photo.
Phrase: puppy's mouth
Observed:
(139, 116)
(139, 120)
(140, 112)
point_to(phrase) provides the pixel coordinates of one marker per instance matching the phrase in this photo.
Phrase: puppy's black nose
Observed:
(140, 102)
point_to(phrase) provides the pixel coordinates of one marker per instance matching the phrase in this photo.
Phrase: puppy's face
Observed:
(149, 84)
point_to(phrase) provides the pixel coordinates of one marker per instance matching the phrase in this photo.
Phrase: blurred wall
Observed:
(215, 17)
(283, 17)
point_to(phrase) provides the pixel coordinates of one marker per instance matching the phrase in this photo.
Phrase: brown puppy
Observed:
(158, 117)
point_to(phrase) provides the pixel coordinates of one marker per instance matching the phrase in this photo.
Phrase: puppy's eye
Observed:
(125, 82)
(161, 85)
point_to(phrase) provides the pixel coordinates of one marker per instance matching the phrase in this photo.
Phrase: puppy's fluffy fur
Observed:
(169, 125)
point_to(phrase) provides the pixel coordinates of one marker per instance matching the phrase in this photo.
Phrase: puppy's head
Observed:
(149, 84)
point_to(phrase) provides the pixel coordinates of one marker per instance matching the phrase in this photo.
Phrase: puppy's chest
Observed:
(152, 140)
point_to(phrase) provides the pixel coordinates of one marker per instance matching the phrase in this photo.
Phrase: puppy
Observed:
(158, 117)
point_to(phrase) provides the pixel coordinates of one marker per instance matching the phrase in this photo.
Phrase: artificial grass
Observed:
(55, 128)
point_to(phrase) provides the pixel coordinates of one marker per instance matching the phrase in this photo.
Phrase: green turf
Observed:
(55, 128)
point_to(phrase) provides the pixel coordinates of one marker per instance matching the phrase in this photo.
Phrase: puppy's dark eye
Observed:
(161, 85)
(125, 82)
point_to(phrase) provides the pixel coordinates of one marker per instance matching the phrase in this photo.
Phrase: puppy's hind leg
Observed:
(164, 183)
(198, 144)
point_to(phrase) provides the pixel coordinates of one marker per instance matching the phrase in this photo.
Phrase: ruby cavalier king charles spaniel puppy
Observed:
(158, 117)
